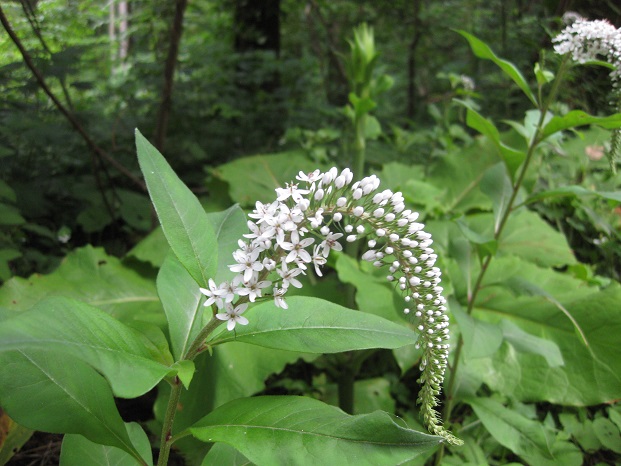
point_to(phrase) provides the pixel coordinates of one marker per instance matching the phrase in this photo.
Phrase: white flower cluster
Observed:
(592, 40)
(306, 222)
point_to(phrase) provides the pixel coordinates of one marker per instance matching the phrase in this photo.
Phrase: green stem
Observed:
(167, 438)
(534, 143)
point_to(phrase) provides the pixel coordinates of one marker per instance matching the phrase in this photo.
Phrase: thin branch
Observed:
(72, 119)
(169, 74)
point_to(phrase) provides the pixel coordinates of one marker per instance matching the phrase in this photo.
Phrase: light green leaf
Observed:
(151, 249)
(482, 50)
(79, 451)
(527, 343)
(497, 186)
(299, 430)
(608, 434)
(529, 439)
(481, 339)
(181, 299)
(185, 371)
(314, 325)
(184, 221)
(129, 361)
(90, 275)
(69, 396)
(221, 453)
(577, 118)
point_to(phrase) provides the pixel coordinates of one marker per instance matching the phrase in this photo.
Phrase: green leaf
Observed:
(608, 434)
(151, 249)
(314, 325)
(529, 439)
(527, 343)
(299, 430)
(181, 299)
(90, 275)
(482, 50)
(577, 118)
(232, 371)
(486, 244)
(129, 361)
(573, 191)
(481, 339)
(185, 371)
(497, 186)
(221, 453)
(513, 158)
(79, 451)
(69, 396)
(255, 178)
(9, 215)
(184, 221)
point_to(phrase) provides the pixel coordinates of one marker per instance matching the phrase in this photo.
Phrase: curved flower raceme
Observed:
(592, 40)
(311, 218)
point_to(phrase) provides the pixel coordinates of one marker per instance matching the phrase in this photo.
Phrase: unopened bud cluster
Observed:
(311, 218)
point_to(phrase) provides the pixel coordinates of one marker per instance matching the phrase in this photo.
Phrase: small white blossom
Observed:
(233, 315)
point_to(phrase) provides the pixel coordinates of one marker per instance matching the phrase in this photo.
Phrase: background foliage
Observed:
(258, 94)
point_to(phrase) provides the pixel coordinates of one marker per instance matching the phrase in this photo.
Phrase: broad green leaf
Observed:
(527, 438)
(577, 118)
(152, 249)
(221, 453)
(181, 299)
(314, 325)
(129, 361)
(69, 396)
(234, 370)
(255, 178)
(497, 186)
(590, 374)
(184, 221)
(481, 339)
(581, 431)
(482, 50)
(486, 244)
(79, 451)
(90, 275)
(299, 430)
(528, 236)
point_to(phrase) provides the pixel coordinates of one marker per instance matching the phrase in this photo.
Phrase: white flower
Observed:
(318, 260)
(331, 242)
(292, 191)
(214, 294)
(246, 263)
(233, 315)
(288, 276)
(252, 288)
(296, 247)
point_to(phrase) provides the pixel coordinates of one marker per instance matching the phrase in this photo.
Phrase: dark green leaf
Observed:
(129, 361)
(577, 118)
(69, 396)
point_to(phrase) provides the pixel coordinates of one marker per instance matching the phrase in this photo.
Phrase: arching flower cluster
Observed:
(295, 234)
(592, 40)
